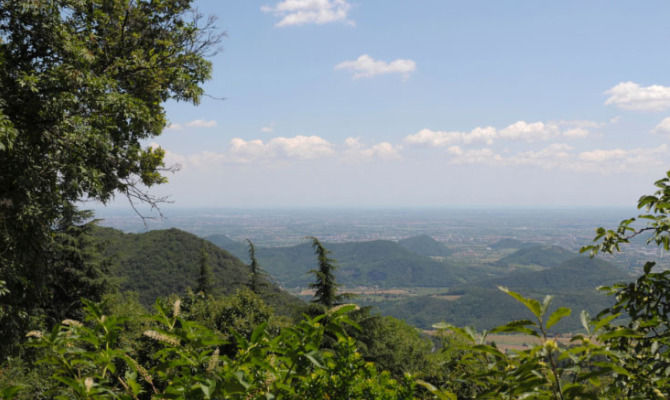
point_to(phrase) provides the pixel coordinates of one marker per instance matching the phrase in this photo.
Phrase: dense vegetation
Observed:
(158, 263)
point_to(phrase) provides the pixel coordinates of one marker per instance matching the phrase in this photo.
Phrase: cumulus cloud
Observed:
(616, 160)
(576, 132)
(477, 156)
(520, 130)
(530, 131)
(300, 12)
(662, 127)
(552, 156)
(367, 67)
(196, 123)
(631, 96)
(383, 150)
(562, 156)
(298, 147)
(445, 138)
(268, 128)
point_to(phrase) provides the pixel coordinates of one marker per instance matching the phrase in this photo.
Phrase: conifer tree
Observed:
(205, 277)
(325, 285)
(256, 274)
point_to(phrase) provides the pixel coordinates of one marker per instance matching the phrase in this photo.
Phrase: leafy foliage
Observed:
(89, 363)
(82, 84)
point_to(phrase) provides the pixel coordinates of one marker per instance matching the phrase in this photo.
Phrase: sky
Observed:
(390, 103)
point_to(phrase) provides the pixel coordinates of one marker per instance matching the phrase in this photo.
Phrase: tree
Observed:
(82, 84)
(205, 276)
(325, 286)
(256, 275)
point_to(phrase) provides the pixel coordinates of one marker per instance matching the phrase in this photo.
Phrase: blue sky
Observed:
(342, 103)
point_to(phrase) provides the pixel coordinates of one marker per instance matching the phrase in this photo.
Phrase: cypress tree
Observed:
(325, 285)
(256, 275)
(205, 277)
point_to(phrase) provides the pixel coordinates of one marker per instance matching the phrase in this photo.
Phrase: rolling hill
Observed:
(572, 283)
(382, 263)
(158, 263)
(425, 245)
(537, 254)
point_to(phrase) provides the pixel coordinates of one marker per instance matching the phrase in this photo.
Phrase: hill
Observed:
(508, 243)
(238, 249)
(159, 263)
(572, 283)
(538, 254)
(382, 263)
(425, 245)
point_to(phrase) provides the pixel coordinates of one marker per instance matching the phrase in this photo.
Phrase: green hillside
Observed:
(425, 245)
(546, 256)
(161, 262)
(509, 243)
(238, 249)
(482, 305)
(381, 263)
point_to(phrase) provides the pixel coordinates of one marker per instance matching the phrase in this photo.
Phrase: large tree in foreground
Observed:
(82, 84)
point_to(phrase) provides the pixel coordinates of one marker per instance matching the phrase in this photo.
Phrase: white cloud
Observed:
(617, 160)
(298, 147)
(300, 12)
(603, 155)
(196, 123)
(366, 67)
(663, 126)
(201, 123)
(562, 156)
(383, 150)
(268, 128)
(442, 138)
(576, 132)
(477, 156)
(631, 96)
(530, 131)
(552, 156)
(520, 130)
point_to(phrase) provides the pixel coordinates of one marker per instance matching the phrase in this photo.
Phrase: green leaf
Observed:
(440, 394)
(520, 326)
(531, 304)
(584, 318)
(560, 313)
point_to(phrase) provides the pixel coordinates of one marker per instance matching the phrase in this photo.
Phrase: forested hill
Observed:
(481, 304)
(382, 263)
(162, 262)
(537, 254)
(425, 245)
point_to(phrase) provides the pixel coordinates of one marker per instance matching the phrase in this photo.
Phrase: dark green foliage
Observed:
(205, 275)
(158, 263)
(82, 85)
(72, 269)
(257, 279)
(325, 287)
(392, 344)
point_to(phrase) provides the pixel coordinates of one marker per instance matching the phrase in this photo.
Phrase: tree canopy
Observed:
(82, 84)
